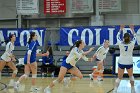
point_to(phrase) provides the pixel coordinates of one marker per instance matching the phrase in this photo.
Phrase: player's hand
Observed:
(131, 26)
(91, 49)
(46, 54)
(121, 27)
(28, 62)
(13, 59)
(94, 57)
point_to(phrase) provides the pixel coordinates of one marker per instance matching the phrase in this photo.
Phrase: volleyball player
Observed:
(68, 65)
(72, 77)
(100, 56)
(8, 58)
(30, 62)
(126, 57)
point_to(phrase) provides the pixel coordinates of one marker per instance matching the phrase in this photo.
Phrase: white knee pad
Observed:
(131, 78)
(26, 76)
(15, 71)
(34, 75)
(118, 80)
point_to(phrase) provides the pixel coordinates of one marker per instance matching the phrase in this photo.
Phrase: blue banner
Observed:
(22, 35)
(94, 35)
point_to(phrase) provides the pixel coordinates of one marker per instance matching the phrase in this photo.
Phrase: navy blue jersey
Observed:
(48, 59)
(33, 47)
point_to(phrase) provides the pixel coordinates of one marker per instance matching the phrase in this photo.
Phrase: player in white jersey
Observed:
(8, 58)
(72, 77)
(100, 56)
(126, 57)
(68, 65)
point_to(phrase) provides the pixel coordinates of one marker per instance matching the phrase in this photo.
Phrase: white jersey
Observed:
(75, 55)
(126, 50)
(101, 53)
(8, 52)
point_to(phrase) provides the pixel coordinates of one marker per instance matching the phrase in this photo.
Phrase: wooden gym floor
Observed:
(79, 86)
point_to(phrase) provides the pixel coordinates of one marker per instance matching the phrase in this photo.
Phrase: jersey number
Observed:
(76, 59)
(126, 48)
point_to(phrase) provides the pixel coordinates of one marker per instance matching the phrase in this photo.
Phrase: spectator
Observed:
(65, 56)
(47, 63)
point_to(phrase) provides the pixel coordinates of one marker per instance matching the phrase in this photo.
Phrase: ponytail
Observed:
(32, 34)
(29, 40)
(6, 41)
(76, 44)
(72, 47)
(126, 38)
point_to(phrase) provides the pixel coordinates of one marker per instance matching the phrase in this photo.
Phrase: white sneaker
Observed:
(11, 83)
(91, 76)
(99, 78)
(52, 75)
(66, 82)
(47, 90)
(133, 90)
(43, 75)
(16, 86)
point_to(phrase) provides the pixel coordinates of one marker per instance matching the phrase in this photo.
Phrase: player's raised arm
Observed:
(118, 35)
(133, 32)
(86, 52)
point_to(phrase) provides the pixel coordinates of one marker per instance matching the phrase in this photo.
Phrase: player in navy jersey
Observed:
(8, 58)
(126, 57)
(30, 62)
